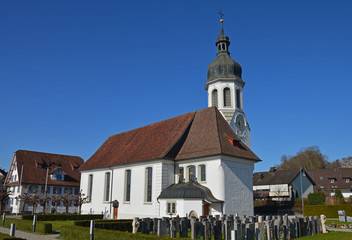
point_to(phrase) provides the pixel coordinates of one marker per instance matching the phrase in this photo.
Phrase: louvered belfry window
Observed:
(238, 98)
(227, 97)
(214, 98)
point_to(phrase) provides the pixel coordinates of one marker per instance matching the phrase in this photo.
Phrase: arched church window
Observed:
(238, 98)
(227, 97)
(219, 46)
(107, 187)
(191, 173)
(223, 46)
(214, 98)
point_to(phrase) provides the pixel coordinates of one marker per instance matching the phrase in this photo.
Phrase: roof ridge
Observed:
(57, 154)
(217, 128)
(185, 131)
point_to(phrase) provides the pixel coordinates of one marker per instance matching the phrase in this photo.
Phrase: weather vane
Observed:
(221, 13)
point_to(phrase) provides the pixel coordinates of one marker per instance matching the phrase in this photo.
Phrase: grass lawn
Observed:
(337, 222)
(330, 236)
(58, 224)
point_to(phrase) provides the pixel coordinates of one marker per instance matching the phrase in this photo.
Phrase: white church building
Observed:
(199, 163)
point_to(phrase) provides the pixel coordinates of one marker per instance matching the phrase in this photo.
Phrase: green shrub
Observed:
(27, 225)
(4, 236)
(330, 211)
(124, 225)
(63, 217)
(82, 233)
(317, 198)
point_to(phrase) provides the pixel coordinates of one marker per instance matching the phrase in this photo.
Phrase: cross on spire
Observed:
(221, 13)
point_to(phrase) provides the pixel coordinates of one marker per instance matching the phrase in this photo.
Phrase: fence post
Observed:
(13, 229)
(34, 222)
(92, 223)
(3, 219)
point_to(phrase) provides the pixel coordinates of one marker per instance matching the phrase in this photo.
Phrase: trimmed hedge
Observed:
(4, 236)
(120, 225)
(330, 211)
(63, 217)
(27, 225)
(82, 233)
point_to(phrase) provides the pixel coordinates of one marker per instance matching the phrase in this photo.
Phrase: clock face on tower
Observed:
(240, 127)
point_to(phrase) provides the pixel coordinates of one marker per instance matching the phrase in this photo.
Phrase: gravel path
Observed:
(30, 236)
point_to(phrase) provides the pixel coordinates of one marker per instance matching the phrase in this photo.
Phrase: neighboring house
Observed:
(211, 145)
(328, 180)
(281, 185)
(2, 177)
(34, 171)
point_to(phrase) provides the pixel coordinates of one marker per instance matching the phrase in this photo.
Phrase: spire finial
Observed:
(221, 20)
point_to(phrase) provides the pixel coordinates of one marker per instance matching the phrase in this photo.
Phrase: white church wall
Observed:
(214, 174)
(183, 207)
(138, 206)
(238, 186)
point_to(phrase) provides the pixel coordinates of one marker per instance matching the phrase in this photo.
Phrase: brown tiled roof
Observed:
(322, 176)
(34, 175)
(196, 134)
(276, 177)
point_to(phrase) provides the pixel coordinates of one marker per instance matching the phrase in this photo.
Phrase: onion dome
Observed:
(223, 67)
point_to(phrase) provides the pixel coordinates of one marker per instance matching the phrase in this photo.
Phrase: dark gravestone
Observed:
(310, 226)
(217, 217)
(303, 227)
(238, 229)
(162, 226)
(173, 228)
(250, 228)
(207, 230)
(184, 227)
(167, 220)
(217, 230)
(145, 226)
(317, 225)
(155, 226)
(228, 227)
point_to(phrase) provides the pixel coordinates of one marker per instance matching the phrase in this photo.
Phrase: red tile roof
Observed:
(322, 176)
(196, 134)
(34, 175)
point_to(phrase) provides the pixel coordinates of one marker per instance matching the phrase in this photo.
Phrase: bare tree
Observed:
(56, 199)
(4, 195)
(66, 199)
(80, 200)
(35, 200)
(44, 199)
(24, 199)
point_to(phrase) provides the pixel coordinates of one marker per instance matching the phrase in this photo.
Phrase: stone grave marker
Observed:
(259, 231)
(217, 230)
(145, 225)
(162, 226)
(155, 226)
(184, 227)
(135, 225)
(250, 230)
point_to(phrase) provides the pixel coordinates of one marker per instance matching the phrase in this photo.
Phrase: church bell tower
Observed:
(225, 88)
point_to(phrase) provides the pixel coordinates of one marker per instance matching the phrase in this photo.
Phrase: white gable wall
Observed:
(238, 186)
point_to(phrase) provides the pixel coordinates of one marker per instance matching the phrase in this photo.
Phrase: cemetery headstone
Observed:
(184, 227)
(155, 226)
(259, 231)
(145, 225)
(250, 228)
(162, 226)
(342, 215)
(323, 223)
(135, 225)
(217, 230)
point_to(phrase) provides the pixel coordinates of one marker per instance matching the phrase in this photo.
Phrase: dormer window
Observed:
(346, 180)
(57, 175)
(331, 180)
(75, 169)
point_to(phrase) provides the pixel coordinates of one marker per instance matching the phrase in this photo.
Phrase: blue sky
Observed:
(72, 73)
